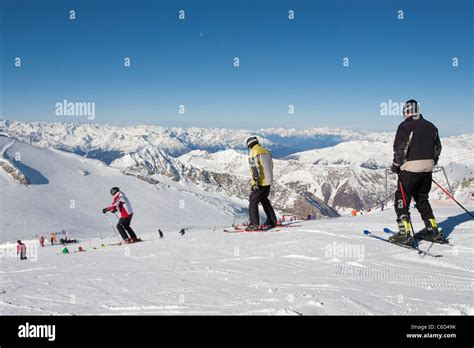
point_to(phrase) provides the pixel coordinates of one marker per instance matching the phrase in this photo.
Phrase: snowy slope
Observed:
(366, 154)
(321, 268)
(68, 191)
(226, 161)
(295, 271)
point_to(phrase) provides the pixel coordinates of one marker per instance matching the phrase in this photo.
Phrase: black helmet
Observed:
(252, 141)
(114, 190)
(411, 108)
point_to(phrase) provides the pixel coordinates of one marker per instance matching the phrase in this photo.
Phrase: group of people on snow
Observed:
(54, 239)
(21, 246)
(417, 148)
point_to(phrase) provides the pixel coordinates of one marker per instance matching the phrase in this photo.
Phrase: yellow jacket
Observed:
(261, 166)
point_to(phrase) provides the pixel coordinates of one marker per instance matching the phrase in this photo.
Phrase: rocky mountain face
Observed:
(7, 164)
(314, 182)
(300, 189)
(152, 164)
(14, 172)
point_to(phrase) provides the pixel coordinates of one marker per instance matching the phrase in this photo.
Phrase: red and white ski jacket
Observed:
(123, 205)
(20, 248)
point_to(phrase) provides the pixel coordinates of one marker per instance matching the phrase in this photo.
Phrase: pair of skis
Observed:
(182, 232)
(263, 228)
(413, 246)
(124, 243)
(444, 241)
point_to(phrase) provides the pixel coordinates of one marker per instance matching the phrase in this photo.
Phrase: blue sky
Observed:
(283, 62)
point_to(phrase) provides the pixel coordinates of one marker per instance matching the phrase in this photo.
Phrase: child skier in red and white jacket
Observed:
(122, 204)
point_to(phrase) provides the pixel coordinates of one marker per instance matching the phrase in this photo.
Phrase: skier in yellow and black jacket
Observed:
(261, 169)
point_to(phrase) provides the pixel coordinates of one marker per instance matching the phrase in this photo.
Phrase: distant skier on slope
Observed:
(53, 238)
(122, 204)
(417, 148)
(21, 250)
(261, 169)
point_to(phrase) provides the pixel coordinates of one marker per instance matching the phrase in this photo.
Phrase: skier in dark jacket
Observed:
(417, 148)
(261, 170)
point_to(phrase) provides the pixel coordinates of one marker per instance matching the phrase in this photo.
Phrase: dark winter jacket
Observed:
(417, 145)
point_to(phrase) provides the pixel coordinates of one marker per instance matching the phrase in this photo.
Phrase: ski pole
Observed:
(405, 204)
(118, 219)
(447, 193)
(409, 217)
(113, 228)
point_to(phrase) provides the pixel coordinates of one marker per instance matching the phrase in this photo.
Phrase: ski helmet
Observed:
(114, 190)
(411, 108)
(252, 141)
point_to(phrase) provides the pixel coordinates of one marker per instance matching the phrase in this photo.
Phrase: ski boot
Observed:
(253, 228)
(431, 232)
(126, 241)
(403, 235)
(268, 224)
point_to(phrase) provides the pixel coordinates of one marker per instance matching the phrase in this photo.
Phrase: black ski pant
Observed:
(123, 226)
(416, 186)
(260, 195)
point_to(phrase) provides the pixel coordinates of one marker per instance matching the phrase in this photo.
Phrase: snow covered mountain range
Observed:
(318, 171)
(108, 142)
